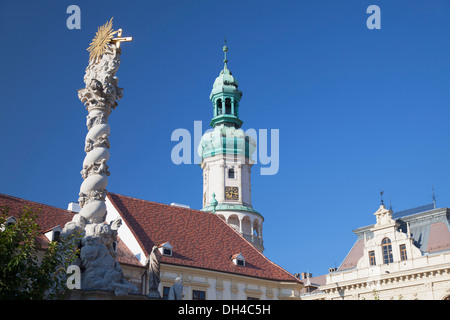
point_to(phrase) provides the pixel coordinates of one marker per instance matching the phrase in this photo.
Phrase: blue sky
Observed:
(357, 110)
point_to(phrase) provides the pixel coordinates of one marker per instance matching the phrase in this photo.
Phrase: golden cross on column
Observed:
(119, 39)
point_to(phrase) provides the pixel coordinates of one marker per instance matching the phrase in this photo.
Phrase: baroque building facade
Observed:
(404, 255)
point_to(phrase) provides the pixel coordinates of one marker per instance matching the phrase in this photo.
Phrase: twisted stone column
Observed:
(99, 96)
(97, 258)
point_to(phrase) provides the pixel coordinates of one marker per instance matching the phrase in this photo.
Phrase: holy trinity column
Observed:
(100, 96)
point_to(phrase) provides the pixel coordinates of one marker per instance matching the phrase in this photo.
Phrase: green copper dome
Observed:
(225, 97)
(225, 83)
(227, 137)
(226, 140)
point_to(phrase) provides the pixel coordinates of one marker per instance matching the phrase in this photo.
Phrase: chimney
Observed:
(305, 275)
(180, 205)
(74, 206)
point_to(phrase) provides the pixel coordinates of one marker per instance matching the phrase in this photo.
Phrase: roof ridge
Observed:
(35, 202)
(158, 203)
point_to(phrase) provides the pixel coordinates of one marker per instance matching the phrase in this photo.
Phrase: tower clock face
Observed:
(231, 193)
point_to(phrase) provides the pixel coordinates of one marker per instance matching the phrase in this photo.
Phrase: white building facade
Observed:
(405, 258)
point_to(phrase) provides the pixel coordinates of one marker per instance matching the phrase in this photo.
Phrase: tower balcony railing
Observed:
(253, 238)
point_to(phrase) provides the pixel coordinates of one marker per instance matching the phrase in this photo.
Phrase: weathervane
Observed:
(381, 194)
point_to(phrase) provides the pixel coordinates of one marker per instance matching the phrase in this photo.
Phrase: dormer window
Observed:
(9, 222)
(166, 249)
(239, 260)
(54, 233)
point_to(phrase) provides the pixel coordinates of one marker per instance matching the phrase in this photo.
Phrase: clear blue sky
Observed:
(358, 110)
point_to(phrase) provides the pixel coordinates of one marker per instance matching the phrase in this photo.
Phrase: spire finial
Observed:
(434, 197)
(225, 49)
(381, 194)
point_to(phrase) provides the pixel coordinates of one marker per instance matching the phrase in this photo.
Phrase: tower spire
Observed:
(226, 155)
(225, 49)
(434, 197)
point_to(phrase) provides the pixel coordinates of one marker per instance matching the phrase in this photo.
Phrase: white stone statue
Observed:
(154, 273)
(176, 291)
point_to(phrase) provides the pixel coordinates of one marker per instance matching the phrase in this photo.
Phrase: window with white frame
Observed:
(403, 255)
(386, 248)
(372, 260)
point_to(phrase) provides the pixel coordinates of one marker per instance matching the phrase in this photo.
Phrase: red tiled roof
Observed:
(199, 239)
(48, 216)
(439, 237)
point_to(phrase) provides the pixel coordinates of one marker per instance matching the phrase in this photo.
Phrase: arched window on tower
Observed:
(219, 107)
(228, 106)
(387, 251)
(231, 173)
